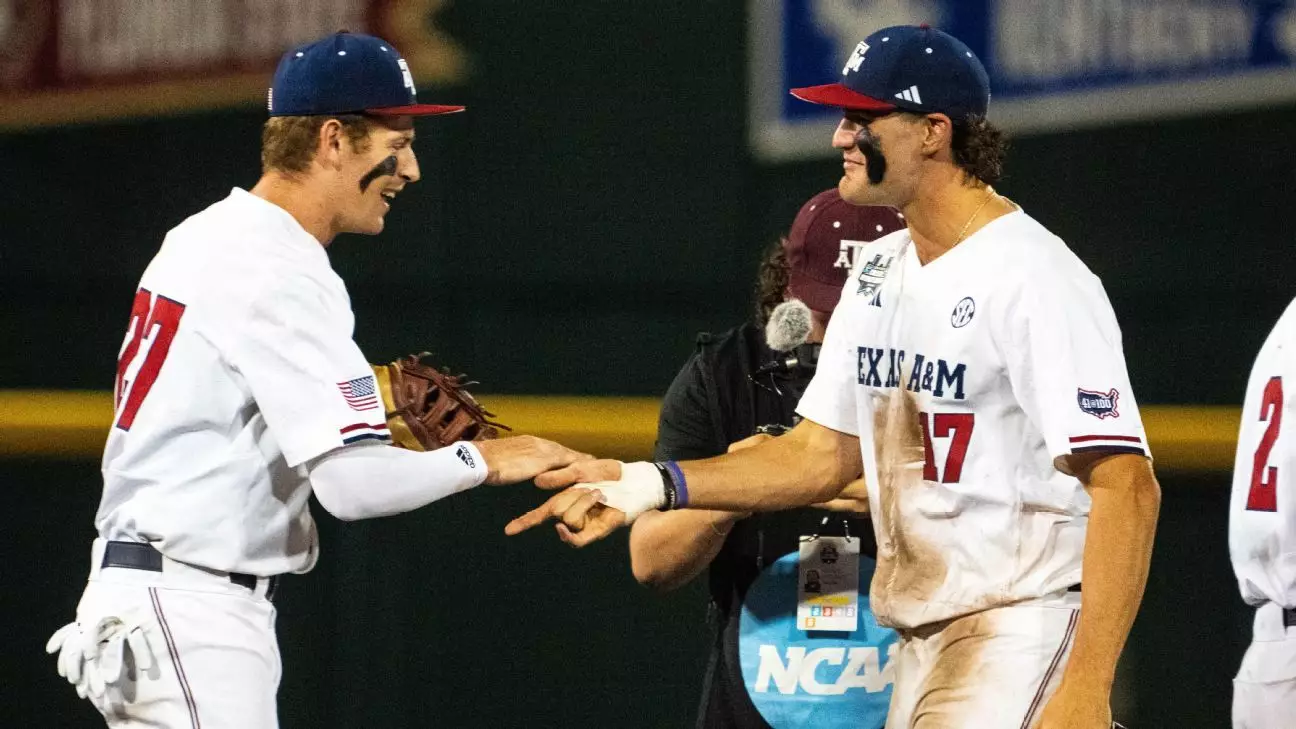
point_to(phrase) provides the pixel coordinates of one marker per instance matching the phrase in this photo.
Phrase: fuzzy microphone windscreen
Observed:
(788, 326)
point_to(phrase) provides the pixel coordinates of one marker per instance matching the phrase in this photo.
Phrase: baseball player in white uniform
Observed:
(973, 372)
(1262, 534)
(239, 391)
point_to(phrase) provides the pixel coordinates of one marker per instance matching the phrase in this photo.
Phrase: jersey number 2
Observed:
(153, 325)
(943, 425)
(1264, 478)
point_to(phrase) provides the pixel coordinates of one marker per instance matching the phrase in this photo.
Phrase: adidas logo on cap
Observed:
(910, 94)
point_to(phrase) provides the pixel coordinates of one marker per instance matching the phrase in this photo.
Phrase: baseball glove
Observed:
(429, 408)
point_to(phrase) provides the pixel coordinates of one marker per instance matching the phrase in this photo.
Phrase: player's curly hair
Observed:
(772, 280)
(979, 148)
(288, 142)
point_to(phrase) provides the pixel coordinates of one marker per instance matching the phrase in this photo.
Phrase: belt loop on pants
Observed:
(143, 556)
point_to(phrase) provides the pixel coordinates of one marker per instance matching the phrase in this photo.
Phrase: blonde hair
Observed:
(288, 142)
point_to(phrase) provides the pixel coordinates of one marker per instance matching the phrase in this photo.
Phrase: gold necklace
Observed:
(989, 194)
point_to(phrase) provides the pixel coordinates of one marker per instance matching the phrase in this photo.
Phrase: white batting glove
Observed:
(91, 660)
(639, 490)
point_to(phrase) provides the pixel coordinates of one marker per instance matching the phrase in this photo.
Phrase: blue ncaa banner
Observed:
(821, 679)
(1053, 64)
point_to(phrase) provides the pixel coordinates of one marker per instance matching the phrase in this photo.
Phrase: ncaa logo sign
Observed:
(821, 679)
(963, 312)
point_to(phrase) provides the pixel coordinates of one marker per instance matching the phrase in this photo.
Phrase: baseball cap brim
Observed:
(415, 110)
(841, 97)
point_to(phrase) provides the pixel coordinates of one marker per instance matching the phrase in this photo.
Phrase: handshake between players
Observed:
(811, 464)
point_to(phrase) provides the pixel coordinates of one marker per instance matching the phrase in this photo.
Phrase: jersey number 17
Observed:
(956, 426)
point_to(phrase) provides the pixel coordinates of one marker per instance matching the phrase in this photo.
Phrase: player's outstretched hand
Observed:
(607, 495)
(582, 516)
(524, 457)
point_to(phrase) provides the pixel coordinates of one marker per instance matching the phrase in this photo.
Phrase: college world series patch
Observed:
(871, 277)
(1099, 404)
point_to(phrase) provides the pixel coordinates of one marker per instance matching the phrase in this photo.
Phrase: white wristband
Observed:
(638, 490)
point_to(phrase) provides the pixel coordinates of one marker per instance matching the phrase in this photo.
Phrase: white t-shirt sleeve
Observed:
(1067, 368)
(307, 376)
(829, 399)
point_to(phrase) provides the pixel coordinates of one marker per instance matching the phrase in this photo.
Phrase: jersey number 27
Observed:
(153, 324)
(1264, 478)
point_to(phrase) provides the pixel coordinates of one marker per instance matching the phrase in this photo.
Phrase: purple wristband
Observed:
(681, 486)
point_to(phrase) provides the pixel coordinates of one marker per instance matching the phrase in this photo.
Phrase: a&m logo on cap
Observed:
(406, 76)
(856, 58)
(847, 251)
(1099, 404)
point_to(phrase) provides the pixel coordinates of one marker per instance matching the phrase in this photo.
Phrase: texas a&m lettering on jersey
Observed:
(928, 374)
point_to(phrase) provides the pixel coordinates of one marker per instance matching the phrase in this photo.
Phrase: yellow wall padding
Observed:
(74, 423)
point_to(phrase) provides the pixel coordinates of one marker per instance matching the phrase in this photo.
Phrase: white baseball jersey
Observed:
(969, 381)
(238, 367)
(1262, 511)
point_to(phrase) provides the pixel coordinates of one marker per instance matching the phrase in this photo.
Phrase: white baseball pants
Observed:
(995, 669)
(216, 660)
(1264, 692)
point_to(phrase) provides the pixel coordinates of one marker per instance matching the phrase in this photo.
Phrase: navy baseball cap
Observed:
(909, 68)
(346, 73)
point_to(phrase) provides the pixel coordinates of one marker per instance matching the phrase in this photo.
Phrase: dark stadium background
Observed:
(595, 207)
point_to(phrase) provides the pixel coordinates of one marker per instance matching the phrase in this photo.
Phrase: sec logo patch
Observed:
(963, 312)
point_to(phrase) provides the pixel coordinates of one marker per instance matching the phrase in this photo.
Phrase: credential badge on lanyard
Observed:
(828, 583)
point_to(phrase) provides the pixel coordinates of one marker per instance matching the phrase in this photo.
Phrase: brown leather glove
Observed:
(429, 408)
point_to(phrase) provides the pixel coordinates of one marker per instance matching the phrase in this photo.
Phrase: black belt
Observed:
(141, 556)
(1289, 617)
(1074, 588)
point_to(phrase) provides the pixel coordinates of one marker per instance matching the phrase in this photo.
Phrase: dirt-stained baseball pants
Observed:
(994, 669)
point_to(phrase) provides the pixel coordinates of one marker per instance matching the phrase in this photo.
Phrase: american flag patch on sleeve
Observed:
(360, 393)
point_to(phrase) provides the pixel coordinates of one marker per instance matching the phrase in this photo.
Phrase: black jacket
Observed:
(713, 402)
